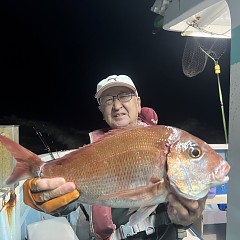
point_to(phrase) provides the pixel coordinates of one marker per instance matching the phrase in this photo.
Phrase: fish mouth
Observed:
(220, 173)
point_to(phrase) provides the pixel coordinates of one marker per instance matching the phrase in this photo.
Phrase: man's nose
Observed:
(116, 103)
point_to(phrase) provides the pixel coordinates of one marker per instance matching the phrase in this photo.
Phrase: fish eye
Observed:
(195, 152)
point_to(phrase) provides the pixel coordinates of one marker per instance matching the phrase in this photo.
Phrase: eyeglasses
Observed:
(122, 97)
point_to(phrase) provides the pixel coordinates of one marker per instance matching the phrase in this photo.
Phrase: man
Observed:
(120, 106)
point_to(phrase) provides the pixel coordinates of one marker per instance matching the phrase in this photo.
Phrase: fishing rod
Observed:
(217, 72)
(44, 143)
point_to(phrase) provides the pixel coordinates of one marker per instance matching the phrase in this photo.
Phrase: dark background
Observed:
(55, 52)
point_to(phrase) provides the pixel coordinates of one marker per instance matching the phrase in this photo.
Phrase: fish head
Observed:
(194, 167)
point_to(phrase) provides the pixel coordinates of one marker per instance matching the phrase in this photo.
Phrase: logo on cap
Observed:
(115, 79)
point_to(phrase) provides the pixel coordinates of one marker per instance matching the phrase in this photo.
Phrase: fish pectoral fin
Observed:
(141, 214)
(141, 193)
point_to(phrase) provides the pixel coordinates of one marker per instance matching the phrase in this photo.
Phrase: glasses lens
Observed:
(106, 100)
(124, 97)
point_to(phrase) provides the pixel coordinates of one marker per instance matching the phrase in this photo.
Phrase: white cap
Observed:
(115, 81)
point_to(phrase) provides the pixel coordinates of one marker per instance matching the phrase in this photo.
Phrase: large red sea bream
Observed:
(131, 168)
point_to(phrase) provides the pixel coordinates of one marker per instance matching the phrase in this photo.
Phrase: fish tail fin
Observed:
(28, 163)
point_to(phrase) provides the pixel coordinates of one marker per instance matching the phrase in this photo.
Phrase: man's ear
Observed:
(100, 109)
(139, 104)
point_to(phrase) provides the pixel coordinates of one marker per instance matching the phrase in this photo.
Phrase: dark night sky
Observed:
(55, 52)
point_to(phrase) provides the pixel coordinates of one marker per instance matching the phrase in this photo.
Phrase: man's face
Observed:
(120, 114)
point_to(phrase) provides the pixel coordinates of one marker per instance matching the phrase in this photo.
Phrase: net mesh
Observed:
(194, 59)
(197, 51)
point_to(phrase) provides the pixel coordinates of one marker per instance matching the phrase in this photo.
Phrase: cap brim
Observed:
(114, 84)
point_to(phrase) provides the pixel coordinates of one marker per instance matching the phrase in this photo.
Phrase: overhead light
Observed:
(201, 18)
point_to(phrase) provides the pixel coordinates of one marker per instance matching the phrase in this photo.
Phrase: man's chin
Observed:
(120, 124)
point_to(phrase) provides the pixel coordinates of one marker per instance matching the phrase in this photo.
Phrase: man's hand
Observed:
(183, 211)
(49, 194)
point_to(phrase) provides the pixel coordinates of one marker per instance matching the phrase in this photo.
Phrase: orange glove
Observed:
(33, 198)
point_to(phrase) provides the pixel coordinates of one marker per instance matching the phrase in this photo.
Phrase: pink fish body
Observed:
(131, 168)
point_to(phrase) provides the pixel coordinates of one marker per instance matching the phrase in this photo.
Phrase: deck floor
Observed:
(214, 231)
